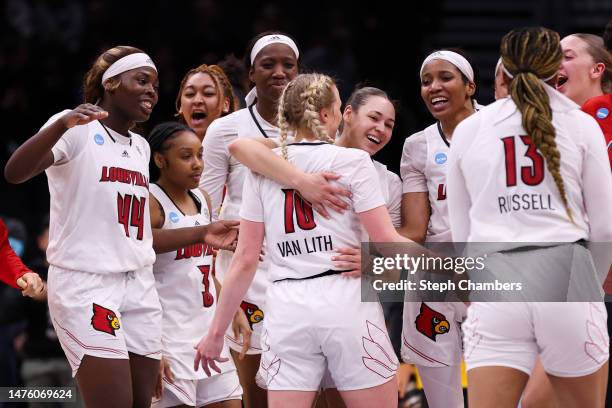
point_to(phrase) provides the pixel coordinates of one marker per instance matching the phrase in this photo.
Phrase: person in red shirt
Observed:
(14, 273)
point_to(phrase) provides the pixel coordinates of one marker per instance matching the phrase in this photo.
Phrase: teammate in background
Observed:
(586, 70)
(205, 94)
(599, 104)
(14, 273)
(184, 278)
(448, 86)
(272, 62)
(102, 296)
(310, 304)
(500, 353)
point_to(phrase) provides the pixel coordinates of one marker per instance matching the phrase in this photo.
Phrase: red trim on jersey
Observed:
(86, 347)
(179, 389)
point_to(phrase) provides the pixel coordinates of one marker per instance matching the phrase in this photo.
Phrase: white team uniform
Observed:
(102, 296)
(315, 319)
(222, 169)
(188, 296)
(423, 169)
(491, 162)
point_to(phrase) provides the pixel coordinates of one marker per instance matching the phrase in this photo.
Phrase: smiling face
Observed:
(273, 68)
(576, 79)
(136, 95)
(201, 102)
(443, 89)
(369, 128)
(180, 160)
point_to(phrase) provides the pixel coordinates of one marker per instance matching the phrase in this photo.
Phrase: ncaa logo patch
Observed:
(174, 217)
(99, 139)
(440, 158)
(602, 113)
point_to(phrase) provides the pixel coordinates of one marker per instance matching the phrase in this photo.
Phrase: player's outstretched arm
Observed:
(315, 188)
(235, 284)
(35, 154)
(219, 234)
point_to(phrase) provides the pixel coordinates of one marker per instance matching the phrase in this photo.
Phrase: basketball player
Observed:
(316, 321)
(447, 87)
(102, 296)
(184, 279)
(14, 273)
(562, 158)
(273, 62)
(368, 121)
(205, 94)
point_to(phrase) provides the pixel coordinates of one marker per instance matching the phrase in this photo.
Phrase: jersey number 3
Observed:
(530, 175)
(303, 212)
(130, 211)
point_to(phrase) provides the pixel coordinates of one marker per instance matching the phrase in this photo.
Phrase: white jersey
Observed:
(423, 169)
(300, 244)
(499, 188)
(185, 287)
(99, 188)
(391, 189)
(221, 168)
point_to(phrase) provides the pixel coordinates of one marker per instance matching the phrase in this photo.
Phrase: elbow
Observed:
(234, 147)
(12, 176)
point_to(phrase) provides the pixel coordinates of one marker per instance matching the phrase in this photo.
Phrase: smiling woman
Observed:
(89, 283)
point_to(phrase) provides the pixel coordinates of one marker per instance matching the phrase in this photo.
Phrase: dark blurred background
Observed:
(47, 46)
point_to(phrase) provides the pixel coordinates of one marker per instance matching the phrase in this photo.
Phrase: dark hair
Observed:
(251, 44)
(238, 77)
(157, 141)
(92, 83)
(360, 96)
(530, 54)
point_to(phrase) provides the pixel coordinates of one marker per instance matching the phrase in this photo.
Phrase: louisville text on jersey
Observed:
(120, 175)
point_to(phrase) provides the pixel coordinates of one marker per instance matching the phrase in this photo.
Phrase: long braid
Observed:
(300, 105)
(311, 95)
(530, 54)
(282, 122)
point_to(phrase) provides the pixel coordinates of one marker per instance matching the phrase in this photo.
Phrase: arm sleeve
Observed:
(394, 206)
(412, 165)
(11, 267)
(596, 182)
(71, 142)
(459, 202)
(251, 208)
(216, 163)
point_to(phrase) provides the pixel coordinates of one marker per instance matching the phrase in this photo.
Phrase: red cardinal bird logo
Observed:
(253, 313)
(431, 323)
(104, 320)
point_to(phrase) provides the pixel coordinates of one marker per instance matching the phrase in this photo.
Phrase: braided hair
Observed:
(300, 105)
(530, 54)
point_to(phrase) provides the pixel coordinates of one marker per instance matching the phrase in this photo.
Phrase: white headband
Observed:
(498, 65)
(273, 39)
(126, 63)
(512, 76)
(457, 60)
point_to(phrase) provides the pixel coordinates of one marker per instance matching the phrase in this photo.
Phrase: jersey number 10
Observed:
(531, 175)
(303, 212)
(130, 211)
